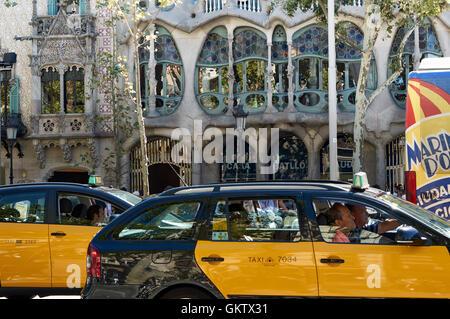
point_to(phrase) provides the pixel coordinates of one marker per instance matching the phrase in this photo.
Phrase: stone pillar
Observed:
(269, 107)
(290, 108)
(230, 74)
(61, 68)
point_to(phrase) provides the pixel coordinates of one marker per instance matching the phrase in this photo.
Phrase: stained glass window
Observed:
(310, 58)
(428, 47)
(293, 159)
(250, 58)
(279, 81)
(168, 72)
(212, 72)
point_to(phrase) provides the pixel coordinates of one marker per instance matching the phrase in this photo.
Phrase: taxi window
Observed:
(26, 207)
(76, 209)
(174, 221)
(255, 220)
(346, 221)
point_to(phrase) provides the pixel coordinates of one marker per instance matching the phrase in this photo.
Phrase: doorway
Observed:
(162, 176)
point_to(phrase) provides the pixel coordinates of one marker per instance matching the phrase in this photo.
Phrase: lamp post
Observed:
(11, 135)
(241, 118)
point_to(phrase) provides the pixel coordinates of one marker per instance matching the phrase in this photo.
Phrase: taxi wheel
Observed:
(186, 293)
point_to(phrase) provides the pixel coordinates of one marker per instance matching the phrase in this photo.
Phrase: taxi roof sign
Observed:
(360, 181)
(95, 180)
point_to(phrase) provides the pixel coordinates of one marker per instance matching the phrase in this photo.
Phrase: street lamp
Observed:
(11, 135)
(241, 118)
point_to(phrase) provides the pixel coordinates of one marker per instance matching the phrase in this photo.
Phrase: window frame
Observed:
(407, 59)
(296, 198)
(362, 201)
(53, 83)
(76, 75)
(26, 192)
(78, 194)
(113, 235)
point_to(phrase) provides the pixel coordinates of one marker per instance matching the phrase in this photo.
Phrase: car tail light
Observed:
(410, 186)
(93, 262)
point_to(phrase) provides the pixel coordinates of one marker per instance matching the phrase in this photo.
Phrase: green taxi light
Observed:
(360, 181)
(95, 180)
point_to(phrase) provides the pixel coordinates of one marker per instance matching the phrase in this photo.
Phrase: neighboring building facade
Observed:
(208, 56)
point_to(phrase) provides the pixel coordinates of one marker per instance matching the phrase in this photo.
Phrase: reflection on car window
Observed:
(418, 212)
(26, 207)
(255, 220)
(173, 221)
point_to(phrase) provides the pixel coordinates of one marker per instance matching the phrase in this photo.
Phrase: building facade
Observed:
(208, 57)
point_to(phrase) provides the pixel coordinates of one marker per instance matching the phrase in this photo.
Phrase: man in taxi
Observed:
(339, 215)
(361, 217)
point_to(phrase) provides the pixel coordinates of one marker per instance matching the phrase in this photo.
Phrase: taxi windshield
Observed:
(124, 195)
(424, 215)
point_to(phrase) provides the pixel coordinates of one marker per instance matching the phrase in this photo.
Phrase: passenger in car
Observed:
(339, 216)
(96, 214)
(365, 229)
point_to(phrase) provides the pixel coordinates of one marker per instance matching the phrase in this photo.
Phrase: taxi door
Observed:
(381, 270)
(69, 239)
(259, 263)
(24, 249)
(69, 245)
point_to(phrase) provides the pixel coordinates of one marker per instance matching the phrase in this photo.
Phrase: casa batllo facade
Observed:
(208, 56)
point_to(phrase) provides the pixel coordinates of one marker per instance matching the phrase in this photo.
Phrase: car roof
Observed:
(45, 184)
(267, 185)
(74, 187)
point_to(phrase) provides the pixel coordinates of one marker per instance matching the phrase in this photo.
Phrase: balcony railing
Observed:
(254, 5)
(80, 24)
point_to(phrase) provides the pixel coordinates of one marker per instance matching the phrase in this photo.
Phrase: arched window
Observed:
(428, 47)
(345, 145)
(74, 90)
(293, 159)
(168, 72)
(279, 58)
(212, 70)
(310, 58)
(235, 171)
(51, 90)
(250, 58)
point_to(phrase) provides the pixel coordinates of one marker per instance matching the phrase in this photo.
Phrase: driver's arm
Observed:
(387, 225)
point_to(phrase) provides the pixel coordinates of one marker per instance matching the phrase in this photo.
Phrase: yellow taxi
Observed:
(45, 230)
(273, 239)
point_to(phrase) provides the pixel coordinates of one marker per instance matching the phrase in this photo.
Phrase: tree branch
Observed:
(400, 65)
(342, 37)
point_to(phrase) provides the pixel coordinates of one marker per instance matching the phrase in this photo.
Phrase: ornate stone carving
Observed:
(40, 153)
(67, 151)
(92, 146)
